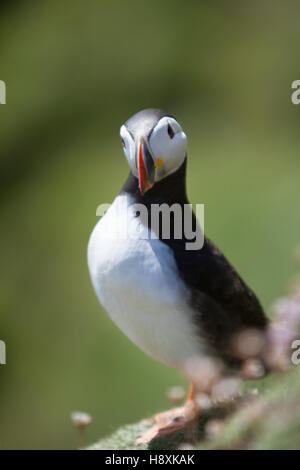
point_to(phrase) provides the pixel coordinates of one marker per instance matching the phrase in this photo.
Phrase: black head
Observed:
(154, 145)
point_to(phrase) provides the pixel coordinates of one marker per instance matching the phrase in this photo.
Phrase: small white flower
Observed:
(80, 419)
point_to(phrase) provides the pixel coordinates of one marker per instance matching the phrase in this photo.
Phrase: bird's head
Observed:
(154, 145)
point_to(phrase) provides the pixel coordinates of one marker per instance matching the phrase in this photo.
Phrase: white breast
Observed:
(137, 282)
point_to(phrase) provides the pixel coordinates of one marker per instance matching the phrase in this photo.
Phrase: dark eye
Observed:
(170, 131)
(123, 142)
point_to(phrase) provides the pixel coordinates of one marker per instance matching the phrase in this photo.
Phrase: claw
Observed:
(160, 430)
(171, 421)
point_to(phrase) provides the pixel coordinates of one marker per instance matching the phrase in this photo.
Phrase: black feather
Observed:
(222, 303)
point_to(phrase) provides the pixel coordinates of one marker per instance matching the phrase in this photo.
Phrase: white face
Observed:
(167, 145)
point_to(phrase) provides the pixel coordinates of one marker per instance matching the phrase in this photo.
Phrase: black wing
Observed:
(222, 302)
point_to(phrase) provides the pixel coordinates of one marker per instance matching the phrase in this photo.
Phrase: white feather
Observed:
(137, 282)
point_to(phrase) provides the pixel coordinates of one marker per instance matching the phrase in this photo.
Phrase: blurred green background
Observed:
(75, 71)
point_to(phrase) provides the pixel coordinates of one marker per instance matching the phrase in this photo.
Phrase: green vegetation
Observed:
(266, 421)
(75, 71)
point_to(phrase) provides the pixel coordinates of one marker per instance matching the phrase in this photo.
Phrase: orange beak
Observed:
(146, 168)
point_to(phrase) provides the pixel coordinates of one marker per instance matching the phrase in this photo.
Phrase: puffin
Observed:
(175, 301)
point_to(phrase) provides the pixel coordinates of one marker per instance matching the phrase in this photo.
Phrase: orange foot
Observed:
(171, 421)
(173, 414)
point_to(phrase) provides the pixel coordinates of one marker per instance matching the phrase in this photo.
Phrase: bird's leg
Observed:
(176, 412)
(173, 420)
